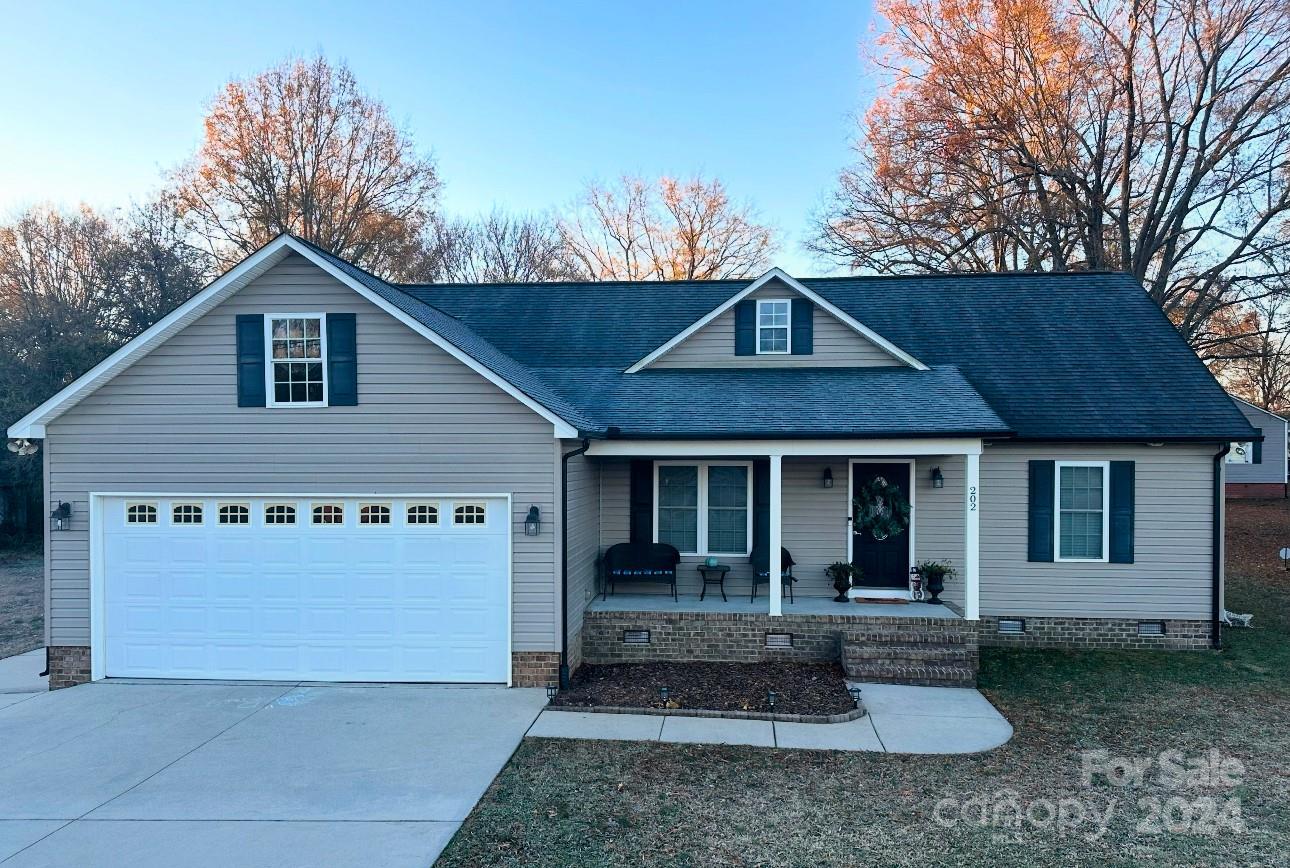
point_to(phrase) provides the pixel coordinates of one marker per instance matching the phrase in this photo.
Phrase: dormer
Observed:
(777, 322)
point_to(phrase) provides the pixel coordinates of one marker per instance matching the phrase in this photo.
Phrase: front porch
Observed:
(804, 606)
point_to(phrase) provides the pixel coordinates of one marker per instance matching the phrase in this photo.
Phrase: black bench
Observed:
(640, 562)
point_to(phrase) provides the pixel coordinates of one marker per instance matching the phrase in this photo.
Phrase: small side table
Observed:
(714, 576)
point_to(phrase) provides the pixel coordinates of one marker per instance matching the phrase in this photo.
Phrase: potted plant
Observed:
(934, 574)
(844, 575)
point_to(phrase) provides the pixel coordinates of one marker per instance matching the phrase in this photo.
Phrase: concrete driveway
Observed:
(165, 774)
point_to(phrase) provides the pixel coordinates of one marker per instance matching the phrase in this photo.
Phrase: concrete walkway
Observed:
(253, 774)
(20, 677)
(914, 720)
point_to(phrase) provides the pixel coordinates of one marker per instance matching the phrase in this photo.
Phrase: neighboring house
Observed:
(1257, 468)
(307, 473)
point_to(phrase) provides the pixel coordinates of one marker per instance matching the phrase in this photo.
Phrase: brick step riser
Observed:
(891, 673)
(897, 638)
(945, 657)
(917, 682)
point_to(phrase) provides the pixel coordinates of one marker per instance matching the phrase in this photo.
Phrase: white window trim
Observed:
(156, 511)
(244, 504)
(788, 328)
(376, 504)
(1106, 511)
(268, 359)
(344, 513)
(703, 503)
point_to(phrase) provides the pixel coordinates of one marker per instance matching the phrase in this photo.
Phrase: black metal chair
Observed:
(760, 559)
(639, 562)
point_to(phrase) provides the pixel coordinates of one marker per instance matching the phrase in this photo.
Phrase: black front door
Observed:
(885, 562)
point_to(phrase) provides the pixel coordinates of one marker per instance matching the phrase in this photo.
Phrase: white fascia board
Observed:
(886, 448)
(778, 273)
(32, 426)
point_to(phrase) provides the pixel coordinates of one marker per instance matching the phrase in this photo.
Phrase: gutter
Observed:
(564, 560)
(1216, 554)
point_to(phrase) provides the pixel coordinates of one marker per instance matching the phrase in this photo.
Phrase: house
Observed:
(1257, 468)
(307, 473)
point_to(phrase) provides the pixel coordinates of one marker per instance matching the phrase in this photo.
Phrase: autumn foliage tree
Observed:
(665, 230)
(1149, 136)
(301, 148)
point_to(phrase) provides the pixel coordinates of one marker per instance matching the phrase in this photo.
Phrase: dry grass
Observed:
(581, 803)
(22, 602)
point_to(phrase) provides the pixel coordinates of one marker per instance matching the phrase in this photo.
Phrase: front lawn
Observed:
(582, 803)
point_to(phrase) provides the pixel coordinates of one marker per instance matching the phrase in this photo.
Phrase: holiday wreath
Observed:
(881, 509)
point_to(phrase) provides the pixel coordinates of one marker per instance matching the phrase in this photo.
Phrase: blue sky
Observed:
(521, 103)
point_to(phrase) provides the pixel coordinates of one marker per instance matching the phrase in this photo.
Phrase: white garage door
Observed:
(306, 588)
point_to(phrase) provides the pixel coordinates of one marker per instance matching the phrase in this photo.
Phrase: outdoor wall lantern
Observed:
(532, 522)
(61, 518)
(828, 477)
(938, 478)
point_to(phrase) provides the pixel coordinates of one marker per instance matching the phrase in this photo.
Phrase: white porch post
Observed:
(972, 538)
(773, 541)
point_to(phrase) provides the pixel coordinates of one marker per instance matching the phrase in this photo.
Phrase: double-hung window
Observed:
(1082, 508)
(297, 365)
(704, 508)
(773, 316)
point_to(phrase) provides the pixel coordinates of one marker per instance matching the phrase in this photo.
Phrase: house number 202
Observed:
(971, 498)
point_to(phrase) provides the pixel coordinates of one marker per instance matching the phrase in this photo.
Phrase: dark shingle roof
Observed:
(1042, 356)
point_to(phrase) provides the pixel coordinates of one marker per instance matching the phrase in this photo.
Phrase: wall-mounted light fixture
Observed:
(533, 522)
(828, 477)
(61, 517)
(938, 478)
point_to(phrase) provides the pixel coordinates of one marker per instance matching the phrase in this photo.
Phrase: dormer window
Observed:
(773, 316)
(297, 363)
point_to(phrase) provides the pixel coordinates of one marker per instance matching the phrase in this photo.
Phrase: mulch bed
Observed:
(800, 688)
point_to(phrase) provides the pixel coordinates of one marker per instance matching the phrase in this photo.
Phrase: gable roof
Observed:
(783, 277)
(1071, 356)
(1075, 357)
(1274, 416)
(416, 314)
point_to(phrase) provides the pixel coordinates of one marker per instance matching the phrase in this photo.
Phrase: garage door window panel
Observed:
(185, 513)
(469, 514)
(235, 513)
(373, 513)
(140, 513)
(329, 513)
(296, 345)
(423, 513)
(279, 514)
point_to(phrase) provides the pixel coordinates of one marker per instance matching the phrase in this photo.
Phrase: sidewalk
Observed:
(20, 677)
(900, 719)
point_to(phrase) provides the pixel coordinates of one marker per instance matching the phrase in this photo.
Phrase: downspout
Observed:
(564, 560)
(1216, 555)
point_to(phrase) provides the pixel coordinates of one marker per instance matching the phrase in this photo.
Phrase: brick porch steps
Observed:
(943, 654)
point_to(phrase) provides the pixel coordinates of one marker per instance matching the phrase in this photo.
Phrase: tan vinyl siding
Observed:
(584, 535)
(1170, 576)
(424, 423)
(835, 345)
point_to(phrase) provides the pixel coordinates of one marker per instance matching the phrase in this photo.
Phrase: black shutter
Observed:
(250, 360)
(641, 523)
(803, 319)
(1040, 534)
(746, 328)
(761, 502)
(1122, 473)
(342, 360)
(1258, 448)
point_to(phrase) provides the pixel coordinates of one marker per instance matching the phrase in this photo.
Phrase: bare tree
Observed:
(669, 230)
(496, 248)
(1149, 136)
(1257, 366)
(300, 148)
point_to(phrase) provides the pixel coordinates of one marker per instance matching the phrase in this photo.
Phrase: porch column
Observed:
(773, 540)
(972, 538)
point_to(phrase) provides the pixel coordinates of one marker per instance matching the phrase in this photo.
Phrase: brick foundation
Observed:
(535, 668)
(739, 637)
(69, 665)
(1256, 489)
(1095, 633)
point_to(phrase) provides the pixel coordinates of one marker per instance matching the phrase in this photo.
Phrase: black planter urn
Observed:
(935, 585)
